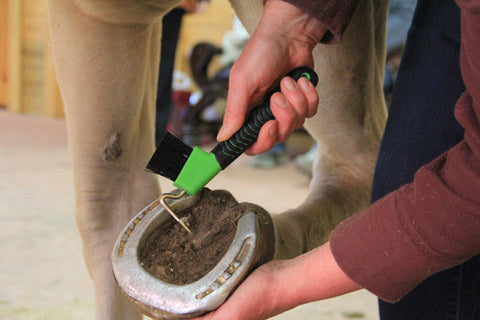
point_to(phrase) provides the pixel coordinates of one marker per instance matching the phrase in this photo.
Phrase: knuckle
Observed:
(297, 100)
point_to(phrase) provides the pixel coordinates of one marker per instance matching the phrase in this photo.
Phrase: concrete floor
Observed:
(42, 275)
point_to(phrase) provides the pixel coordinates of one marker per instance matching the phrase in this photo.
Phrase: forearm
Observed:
(433, 223)
(312, 276)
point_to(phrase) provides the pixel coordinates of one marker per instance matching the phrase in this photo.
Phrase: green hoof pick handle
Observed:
(200, 167)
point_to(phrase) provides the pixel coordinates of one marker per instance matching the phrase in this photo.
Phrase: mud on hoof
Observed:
(167, 273)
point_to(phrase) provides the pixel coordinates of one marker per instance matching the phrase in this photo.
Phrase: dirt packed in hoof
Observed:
(175, 256)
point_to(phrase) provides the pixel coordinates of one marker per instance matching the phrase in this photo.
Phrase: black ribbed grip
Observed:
(227, 151)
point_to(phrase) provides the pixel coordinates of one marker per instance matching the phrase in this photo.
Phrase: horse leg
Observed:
(106, 56)
(347, 127)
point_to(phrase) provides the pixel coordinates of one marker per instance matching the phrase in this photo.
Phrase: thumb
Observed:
(235, 111)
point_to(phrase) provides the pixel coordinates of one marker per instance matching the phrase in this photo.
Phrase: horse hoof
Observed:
(153, 288)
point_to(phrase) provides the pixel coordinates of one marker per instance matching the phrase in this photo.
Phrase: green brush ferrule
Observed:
(199, 169)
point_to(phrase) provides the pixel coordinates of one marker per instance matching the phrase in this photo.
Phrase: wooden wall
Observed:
(32, 87)
(3, 52)
(27, 78)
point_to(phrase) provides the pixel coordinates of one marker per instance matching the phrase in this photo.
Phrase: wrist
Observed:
(292, 22)
(312, 276)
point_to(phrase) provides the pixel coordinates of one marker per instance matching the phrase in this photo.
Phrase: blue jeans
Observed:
(420, 127)
(400, 14)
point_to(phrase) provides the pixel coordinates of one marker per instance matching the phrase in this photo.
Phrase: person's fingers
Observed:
(239, 306)
(295, 97)
(311, 96)
(267, 137)
(296, 102)
(235, 112)
(301, 95)
(286, 116)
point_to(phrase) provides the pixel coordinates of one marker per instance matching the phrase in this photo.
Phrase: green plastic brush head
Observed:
(199, 169)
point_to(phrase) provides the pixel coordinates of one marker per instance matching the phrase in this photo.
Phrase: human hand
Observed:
(283, 40)
(281, 285)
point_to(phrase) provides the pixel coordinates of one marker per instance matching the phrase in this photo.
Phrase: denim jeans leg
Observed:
(421, 124)
(468, 297)
(453, 294)
(420, 127)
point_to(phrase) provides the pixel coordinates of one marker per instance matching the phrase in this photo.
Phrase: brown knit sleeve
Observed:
(402, 239)
(433, 223)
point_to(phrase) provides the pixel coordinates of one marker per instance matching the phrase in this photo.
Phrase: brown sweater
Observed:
(433, 223)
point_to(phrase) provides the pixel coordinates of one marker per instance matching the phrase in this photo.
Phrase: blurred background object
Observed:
(27, 77)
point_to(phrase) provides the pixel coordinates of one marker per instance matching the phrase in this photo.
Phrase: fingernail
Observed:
(305, 84)
(273, 132)
(280, 101)
(290, 84)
